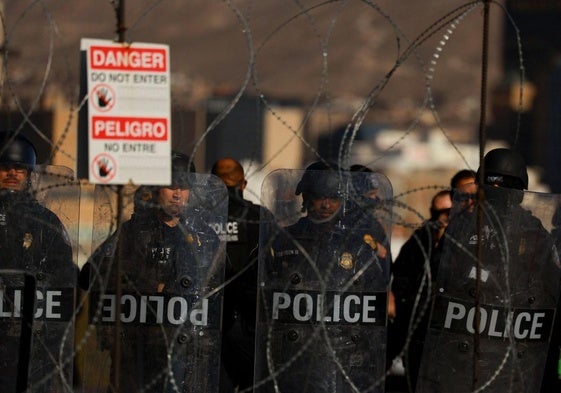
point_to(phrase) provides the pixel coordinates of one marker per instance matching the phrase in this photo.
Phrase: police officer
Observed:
(171, 262)
(367, 211)
(498, 276)
(323, 299)
(323, 187)
(410, 273)
(240, 294)
(463, 189)
(33, 240)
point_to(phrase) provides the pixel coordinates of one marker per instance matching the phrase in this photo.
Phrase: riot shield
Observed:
(38, 271)
(323, 285)
(155, 296)
(495, 297)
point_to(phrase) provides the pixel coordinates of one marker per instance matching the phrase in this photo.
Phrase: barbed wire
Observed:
(324, 19)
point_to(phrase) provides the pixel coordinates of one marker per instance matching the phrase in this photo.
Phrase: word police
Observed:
(494, 322)
(53, 304)
(227, 232)
(154, 309)
(337, 308)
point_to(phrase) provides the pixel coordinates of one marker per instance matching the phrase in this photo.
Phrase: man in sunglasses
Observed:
(463, 190)
(496, 289)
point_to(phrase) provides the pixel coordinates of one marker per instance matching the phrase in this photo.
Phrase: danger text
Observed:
(128, 58)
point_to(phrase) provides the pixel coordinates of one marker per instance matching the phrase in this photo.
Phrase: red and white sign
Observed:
(129, 111)
(129, 128)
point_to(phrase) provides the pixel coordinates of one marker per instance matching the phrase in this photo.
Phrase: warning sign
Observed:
(128, 112)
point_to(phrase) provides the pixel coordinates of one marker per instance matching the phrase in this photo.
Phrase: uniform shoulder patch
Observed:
(368, 239)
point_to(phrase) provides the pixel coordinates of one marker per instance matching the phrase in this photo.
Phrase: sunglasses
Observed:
(464, 197)
(20, 169)
(442, 211)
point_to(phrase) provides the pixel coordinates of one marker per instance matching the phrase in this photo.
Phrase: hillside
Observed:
(338, 51)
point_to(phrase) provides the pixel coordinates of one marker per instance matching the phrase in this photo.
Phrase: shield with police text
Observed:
(38, 271)
(495, 296)
(155, 288)
(323, 281)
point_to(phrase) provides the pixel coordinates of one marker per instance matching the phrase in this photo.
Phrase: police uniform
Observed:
(240, 295)
(408, 271)
(551, 382)
(328, 266)
(171, 269)
(518, 277)
(322, 289)
(33, 240)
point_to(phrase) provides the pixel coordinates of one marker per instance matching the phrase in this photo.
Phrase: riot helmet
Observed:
(17, 159)
(145, 197)
(322, 191)
(143, 200)
(365, 185)
(505, 176)
(17, 151)
(181, 167)
(505, 168)
(320, 179)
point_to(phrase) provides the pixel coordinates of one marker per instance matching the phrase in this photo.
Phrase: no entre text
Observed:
(130, 147)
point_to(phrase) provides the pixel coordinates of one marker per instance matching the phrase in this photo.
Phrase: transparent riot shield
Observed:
(323, 282)
(495, 296)
(38, 272)
(155, 295)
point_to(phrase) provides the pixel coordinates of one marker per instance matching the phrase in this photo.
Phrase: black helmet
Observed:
(364, 183)
(320, 179)
(181, 167)
(505, 168)
(17, 150)
(144, 199)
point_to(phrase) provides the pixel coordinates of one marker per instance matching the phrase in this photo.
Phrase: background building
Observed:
(277, 84)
